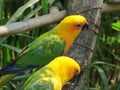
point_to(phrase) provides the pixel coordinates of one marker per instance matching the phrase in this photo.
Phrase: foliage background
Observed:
(104, 72)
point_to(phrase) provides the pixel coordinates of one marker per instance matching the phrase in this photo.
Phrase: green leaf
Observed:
(33, 12)
(51, 2)
(1, 8)
(12, 48)
(27, 36)
(117, 86)
(2, 40)
(115, 56)
(116, 26)
(103, 63)
(20, 11)
(44, 6)
(103, 77)
(6, 56)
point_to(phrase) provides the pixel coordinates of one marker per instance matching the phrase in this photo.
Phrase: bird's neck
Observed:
(64, 75)
(68, 35)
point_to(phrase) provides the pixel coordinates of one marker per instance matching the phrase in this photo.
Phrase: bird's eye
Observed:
(78, 25)
(76, 71)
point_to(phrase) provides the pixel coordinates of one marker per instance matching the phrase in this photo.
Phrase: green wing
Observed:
(39, 82)
(41, 51)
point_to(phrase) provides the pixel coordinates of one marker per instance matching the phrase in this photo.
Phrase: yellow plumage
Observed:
(54, 75)
(68, 29)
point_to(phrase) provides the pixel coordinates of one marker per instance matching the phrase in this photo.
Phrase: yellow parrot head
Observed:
(65, 67)
(70, 27)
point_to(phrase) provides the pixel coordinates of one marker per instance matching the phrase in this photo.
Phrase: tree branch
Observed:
(113, 1)
(27, 25)
(91, 9)
(23, 26)
(110, 7)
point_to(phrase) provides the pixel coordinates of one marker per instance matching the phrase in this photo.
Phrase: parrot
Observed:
(41, 51)
(54, 75)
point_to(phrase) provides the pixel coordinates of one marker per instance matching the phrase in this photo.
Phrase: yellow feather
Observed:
(67, 29)
(58, 72)
(64, 68)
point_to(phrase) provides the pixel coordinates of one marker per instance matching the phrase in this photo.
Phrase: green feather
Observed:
(38, 82)
(41, 51)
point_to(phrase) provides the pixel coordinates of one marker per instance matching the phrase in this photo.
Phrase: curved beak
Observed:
(86, 25)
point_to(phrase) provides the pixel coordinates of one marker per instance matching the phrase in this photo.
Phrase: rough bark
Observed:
(83, 46)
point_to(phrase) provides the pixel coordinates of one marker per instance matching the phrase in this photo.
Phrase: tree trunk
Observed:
(83, 46)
